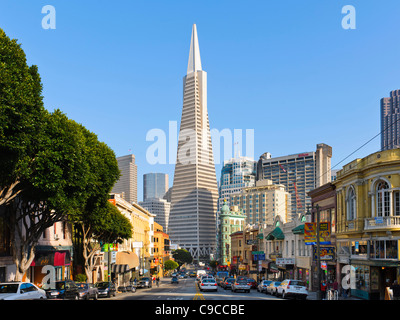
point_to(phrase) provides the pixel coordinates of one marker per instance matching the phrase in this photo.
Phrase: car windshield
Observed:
(9, 288)
(241, 281)
(297, 283)
(102, 285)
(145, 279)
(277, 283)
(60, 285)
(230, 280)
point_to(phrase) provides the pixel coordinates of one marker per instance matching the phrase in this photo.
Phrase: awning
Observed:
(119, 268)
(276, 234)
(127, 258)
(299, 229)
(52, 258)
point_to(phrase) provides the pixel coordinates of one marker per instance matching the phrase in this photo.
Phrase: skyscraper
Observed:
(127, 183)
(236, 174)
(390, 121)
(192, 222)
(155, 185)
(299, 173)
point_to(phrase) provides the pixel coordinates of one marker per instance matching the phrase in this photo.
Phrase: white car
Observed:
(262, 286)
(21, 291)
(292, 288)
(208, 284)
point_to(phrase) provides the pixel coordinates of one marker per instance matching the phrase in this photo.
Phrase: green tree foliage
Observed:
(182, 256)
(51, 168)
(170, 265)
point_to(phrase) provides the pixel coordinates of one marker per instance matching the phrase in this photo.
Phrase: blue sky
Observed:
(286, 69)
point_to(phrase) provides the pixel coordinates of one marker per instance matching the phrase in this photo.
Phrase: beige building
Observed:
(262, 203)
(140, 247)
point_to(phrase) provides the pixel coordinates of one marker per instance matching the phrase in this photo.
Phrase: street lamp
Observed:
(318, 250)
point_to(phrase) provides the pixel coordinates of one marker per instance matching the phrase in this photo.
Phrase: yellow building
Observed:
(161, 250)
(368, 223)
(141, 243)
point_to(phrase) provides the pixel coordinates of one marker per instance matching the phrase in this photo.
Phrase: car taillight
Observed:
(288, 287)
(226, 282)
(215, 284)
(202, 284)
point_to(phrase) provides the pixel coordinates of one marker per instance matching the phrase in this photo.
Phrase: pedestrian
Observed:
(158, 281)
(323, 290)
(396, 290)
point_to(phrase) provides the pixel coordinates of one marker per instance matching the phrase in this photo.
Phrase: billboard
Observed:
(310, 233)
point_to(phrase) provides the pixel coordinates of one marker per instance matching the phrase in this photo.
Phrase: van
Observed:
(200, 273)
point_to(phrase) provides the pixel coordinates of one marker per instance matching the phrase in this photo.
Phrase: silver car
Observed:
(241, 284)
(21, 291)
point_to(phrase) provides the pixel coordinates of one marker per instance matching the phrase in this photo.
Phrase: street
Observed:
(187, 289)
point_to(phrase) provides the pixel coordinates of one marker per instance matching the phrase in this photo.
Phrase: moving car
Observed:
(87, 291)
(241, 284)
(65, 289)
(252, 283)
(174, 280)
(227, 284)
(145, 282)
(262, 286)
(21, 291)
(272, 287)
(221, 275)
(292, 288)
(106, 289)
(208, 284)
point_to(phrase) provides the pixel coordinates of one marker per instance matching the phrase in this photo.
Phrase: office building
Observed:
(192, 222)
(160, 208)
(127, 183)
(236, 174)
(390, 121)
(155, 185)
(298, 173)
(263, 203)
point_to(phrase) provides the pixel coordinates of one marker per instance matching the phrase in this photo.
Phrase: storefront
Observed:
(61, 260)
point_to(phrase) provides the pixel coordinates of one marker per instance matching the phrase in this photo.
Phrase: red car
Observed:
(252, 283)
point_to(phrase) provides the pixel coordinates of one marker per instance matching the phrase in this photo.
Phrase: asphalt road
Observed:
(187, 289)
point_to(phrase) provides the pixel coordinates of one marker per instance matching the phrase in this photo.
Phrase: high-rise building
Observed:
(192, 222)
(299, 173)
(390, 121)
(155, 185)
(236, 174)
(127, 183)
(159, 207)
(263, 203)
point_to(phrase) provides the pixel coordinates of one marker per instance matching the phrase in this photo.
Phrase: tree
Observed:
(170, 265)
(104, 225)
(51, 168)
(182, 256)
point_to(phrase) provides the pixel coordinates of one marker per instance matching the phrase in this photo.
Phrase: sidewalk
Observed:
(312, 295)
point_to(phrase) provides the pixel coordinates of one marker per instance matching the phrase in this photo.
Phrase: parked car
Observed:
(227, 284)
(130, 288)
(65, 289)
(252, 283)
(174, 280)
(272, 287)
(145, 282)
(241, 284)
(292, 288)
(208, 284)
(87, 291)
(21, 291)
(262, 286)
(106, 289)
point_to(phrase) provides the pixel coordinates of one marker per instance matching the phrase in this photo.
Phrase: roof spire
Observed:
(194, 63)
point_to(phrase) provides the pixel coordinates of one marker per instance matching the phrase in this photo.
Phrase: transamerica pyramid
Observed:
(192, 220)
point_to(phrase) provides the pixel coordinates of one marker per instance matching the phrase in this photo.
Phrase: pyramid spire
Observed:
(194, 63)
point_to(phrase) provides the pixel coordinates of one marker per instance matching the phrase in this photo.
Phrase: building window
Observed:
(383, 199)
(351, 204)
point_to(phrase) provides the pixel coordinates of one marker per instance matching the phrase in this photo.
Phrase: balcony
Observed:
(385, 223)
